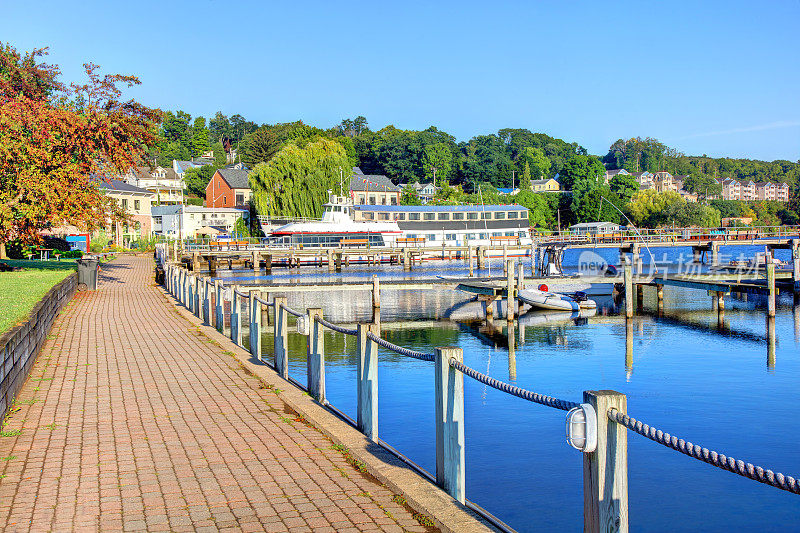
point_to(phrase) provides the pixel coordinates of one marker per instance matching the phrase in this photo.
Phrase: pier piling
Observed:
(511, 299)
(628, 275)
(255, 325)
(219, 309)
(471, 256)
(449, 394)
(605, 471)
(770, 286)
(236, 319)
(206, 302)
(367, 387)
(376, 292)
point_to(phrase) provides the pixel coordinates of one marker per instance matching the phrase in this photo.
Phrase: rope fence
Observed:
(534, 397)
(292, 311)
(264, 302)
(737, 466)
(335, 327)
(422, 356)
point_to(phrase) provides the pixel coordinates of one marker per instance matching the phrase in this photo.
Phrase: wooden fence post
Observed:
(315, 362)
(281, 349)
(605, 470)
(236, 309)
(198, 296)
(255, 324)
(376, 291)
(206, 302)
(219, 306)
(471, 258)
(511, 299)
(367, 388)
(449, 394)
(190, 293)
(629, 295)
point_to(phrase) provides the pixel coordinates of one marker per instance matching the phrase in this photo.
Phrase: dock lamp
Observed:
(582, 428)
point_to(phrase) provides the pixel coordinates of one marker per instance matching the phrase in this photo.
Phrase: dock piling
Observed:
(376, 291)
(770, 286)
(219, 309)
(206, 302)
(367, 387)
(281, 348)
(449, 394)
(315, 362)
(511, 298)
(236, 323)
(628, 275)
(471, 256)
(605, 470)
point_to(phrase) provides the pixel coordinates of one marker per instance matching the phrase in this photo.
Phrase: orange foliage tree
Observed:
(56, 140)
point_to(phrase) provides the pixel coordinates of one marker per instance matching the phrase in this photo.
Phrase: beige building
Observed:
(548, 185)
(136, 203)
(373, 189)
(165, 183)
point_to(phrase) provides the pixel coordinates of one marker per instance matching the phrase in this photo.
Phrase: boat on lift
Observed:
(541, 298)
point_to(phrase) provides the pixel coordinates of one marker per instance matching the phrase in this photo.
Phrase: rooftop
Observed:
(439, 208)
(372, 182)
(235, 178)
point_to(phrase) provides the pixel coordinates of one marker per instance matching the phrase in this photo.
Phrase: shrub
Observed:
(56, 243)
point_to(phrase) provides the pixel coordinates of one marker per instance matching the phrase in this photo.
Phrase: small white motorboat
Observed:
(542, 299)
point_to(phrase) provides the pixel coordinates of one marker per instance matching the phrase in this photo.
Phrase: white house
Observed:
(189, 221)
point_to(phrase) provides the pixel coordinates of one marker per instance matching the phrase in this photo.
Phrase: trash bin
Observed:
(87, 273)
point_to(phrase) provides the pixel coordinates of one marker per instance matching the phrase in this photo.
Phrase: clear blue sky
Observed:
(719, 78)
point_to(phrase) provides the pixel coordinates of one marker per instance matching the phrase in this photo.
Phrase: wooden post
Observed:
(628, 345)
(255, 325)
(198, 297)
(212, 265)
(190, 293)
(796, 270)
(268, 263)
(628, 275)
(219, 309)
(520, 276)
(770, 286)
(206, 302)
(720, 301)
(338, 261)
(771, 343)
(195, 261)
(639, 297)
(281, 349)
(471, 261)
(505, 259)
(367, 388)
(182, 285)
(236, 322)
(511, 300)
(315, 362)
(256, 263)
(481, 257)
(376, 291)
(605, 471)
(449, 393)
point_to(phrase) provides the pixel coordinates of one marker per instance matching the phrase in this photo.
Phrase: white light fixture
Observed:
(303, 325)
(582, 428)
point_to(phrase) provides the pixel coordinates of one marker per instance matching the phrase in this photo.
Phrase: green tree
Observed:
(199, 136)
(197, 179)
(651, 209)
(409, 196)
(624, 186)
(581, 168)
(525, 180)
(536, 160)
(439, 157)
(295, 182)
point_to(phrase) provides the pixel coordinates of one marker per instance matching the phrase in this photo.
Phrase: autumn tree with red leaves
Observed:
(55, 140)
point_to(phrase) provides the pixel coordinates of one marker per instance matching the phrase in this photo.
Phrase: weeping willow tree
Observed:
(295, 182)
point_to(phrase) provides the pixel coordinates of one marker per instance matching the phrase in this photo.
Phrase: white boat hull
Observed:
(552, 301)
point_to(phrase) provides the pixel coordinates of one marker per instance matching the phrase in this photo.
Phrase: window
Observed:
(156, 220)
(412, 236)
(368, 216)
(413, 216)
(486, 216)
(394, 200)
(431, 236)
(458, 216)
(361, 199)
(124, 204)
(499, 215)
(383, 216)
(239, 199)
(450, 236)
(484, 236)
(509, 234)
(444, 216)
(401, 216)
(204, 216)
(472, 216)
(428, 216)
(371, 200)
(512, 214)
(136, 205)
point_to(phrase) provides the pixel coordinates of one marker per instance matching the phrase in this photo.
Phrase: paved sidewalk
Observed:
(133, 420)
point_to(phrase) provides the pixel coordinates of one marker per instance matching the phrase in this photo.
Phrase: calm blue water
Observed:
(714, 384)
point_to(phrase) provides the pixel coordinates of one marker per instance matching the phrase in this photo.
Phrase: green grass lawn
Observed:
(21, 290)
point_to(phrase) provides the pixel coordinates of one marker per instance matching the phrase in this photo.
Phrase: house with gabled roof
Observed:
(229, 187)
(611, 173)
(373, 189)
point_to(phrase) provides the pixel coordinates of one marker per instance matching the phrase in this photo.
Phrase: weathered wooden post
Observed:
(720, 296)
(190, 293)
(376, 291)
(195, 261)
(796, 270)
(520, 276)
(481, 257)
(236, 322)
(511, 299)
(505, 258)
(628, 275)
(255, 324)
(605, 470)
(367, 388)
(315, 362)
(471, 256)
(660, 298)
(338, 261)
(449, 394)
(268, 263)
(770, 286)
(281, 349)
(206, 302)
(212, 265)
(330, 260)
(628, 345)
(771, 343)
(219, 309)
(198, 296)
(256, 263)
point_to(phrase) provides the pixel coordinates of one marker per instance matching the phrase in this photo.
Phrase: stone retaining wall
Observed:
(21, 344)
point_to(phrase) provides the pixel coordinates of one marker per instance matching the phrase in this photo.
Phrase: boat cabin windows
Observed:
(401, 216)
(458, 216)
(486, 216)
(413, 216)
(484, 236)
(383, 216)
(499, 215)
(368, 216)
(450, 236)
(443, 216)
(472, 216)
(428, 216)
(512, 214)
(431, 236)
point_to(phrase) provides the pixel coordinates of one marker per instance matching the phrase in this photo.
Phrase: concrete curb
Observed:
(421, 495)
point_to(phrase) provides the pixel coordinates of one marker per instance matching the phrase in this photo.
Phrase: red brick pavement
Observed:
(133, 420)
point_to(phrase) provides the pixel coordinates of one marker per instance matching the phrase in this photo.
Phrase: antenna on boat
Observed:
(652, 257)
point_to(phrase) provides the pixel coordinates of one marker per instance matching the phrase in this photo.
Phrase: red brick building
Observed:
(228, 187)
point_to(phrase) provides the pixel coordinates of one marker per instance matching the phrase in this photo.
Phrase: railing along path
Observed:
(605, 464)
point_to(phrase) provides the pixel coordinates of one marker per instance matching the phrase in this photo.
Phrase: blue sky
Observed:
(719, 78)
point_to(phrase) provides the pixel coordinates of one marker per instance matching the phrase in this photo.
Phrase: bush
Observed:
(72, 254)
(56, 243)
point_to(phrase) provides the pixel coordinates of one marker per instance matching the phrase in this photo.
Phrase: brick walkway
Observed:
(133, 420)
